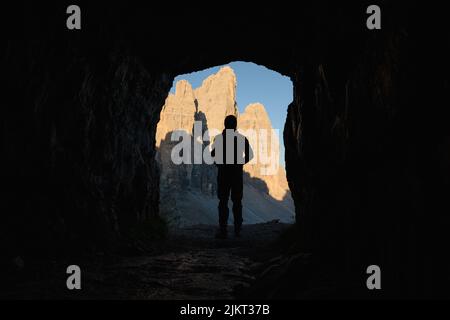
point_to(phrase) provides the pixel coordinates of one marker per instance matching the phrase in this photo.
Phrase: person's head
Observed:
(230, 122)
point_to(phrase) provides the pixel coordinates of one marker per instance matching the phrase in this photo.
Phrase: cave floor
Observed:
(189, 264)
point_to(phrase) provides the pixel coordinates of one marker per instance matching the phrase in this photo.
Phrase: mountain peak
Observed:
(255, 107)
(224, 75)
(216, 97)
(183, 88)
(226, 69)
(255, 115)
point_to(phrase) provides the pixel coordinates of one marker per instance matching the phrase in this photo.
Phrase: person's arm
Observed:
(248, 151)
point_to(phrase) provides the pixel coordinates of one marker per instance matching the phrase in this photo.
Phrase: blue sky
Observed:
(255, 83)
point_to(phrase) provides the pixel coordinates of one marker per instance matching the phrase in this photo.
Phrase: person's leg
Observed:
(223, 193)
(236, 197)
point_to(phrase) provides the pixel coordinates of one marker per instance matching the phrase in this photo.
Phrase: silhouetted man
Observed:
(230, 151)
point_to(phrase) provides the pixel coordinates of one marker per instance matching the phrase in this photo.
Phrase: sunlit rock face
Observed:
(209, 105)
(178, 112)
(216, 97)
(266, 149)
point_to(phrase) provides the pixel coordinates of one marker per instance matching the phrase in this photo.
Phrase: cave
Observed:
(366, 137)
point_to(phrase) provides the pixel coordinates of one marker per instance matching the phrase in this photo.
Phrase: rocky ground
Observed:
(189, 264)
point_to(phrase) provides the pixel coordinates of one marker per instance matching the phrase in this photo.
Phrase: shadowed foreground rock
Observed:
(190, 264)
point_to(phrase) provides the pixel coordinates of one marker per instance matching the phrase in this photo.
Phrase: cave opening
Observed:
(196, 106)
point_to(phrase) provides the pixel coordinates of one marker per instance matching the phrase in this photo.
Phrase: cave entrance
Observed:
(259, 98)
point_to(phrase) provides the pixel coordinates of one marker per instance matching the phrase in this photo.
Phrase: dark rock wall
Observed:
(78, 139)
(364, 144)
